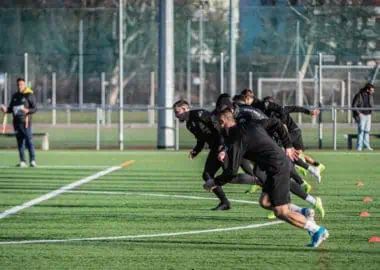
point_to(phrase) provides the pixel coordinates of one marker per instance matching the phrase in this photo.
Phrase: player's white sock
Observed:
(311, 226)
(310, 199)
(295, 208)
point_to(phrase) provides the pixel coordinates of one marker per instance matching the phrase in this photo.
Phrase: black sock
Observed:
(297, 190)
(316, 163)
(295, 176)
(301, 163)
(218, 191)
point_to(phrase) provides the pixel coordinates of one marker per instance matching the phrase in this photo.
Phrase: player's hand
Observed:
(25, 110)
(292, 153)
(3, 108)
(192, 155)
(315, 112)
(221, 156)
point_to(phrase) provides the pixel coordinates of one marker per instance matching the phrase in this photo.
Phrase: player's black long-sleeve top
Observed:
(252, 142)
(201, 126)
(286, 117)
(22, 100)
(268, 107)
(274, 127)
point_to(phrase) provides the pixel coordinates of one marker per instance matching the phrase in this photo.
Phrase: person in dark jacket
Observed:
(363, 99)
(23, 106)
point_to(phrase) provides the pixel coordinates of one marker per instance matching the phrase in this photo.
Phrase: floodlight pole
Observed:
(166, 130)
(233, 16)
(320, 129)
(121, 76)
(80, 63)
(201, 64)
(188, 66)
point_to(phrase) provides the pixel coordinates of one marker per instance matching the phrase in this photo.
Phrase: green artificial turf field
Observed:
(153, 214)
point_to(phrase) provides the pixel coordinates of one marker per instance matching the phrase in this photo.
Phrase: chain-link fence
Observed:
(96, 128)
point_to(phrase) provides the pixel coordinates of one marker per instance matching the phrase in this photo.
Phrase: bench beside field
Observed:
(350, 137)
(45, 138)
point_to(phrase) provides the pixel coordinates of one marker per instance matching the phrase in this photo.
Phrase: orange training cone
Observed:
(367, 199)
(374, 239)
(359, 184)
(364, 214)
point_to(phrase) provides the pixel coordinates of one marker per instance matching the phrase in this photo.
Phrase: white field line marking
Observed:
(139, 236)
(62, 167)
(59, 191)
(155, 195)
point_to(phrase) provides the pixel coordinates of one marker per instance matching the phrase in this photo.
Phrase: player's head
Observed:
(268, 99)
(223, 101)
(181, 110)
(239, 99)
(226, 118)
(249, 96)
(370, 88)
(21, 85)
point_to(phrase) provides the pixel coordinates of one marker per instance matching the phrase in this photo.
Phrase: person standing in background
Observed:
(23, 104)
(363, 99)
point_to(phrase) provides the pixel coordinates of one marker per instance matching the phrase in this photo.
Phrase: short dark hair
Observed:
(180, 103)
(368, 86)
(247, 93)
(20, 79)
(225, 111)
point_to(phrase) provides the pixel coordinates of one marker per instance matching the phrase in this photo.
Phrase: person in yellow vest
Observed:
(23, 105)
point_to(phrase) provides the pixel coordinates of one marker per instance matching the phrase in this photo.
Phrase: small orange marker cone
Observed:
(374, 239)
(364, 214)
(367, 199)
(359, 184)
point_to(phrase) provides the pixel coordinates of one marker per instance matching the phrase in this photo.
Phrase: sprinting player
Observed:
(199, 123)
(264, 152)
(245, 113)
(23, 105)
(296, 133)
(270, 109)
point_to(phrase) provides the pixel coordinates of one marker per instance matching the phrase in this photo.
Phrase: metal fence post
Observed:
(68, 115)
(250, 78)
(103, 96)
(176, 134)
(98, 114)
(334, 126)
(54, 99)
(151, 100)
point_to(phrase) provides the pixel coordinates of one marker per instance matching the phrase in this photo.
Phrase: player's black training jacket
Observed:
(201, 126)
(268, 107)
(252, 142)
(19, 100)
(286, 117)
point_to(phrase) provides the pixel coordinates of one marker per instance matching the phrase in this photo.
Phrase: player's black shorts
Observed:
(296, 137)
(277, 186)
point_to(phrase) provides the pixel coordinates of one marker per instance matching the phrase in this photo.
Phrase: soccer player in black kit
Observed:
(199, 123)
(252, 142)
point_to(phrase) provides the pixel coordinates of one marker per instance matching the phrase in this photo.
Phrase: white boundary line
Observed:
(139, 236)
(181, 152)
(154, 195)
(57, 192)
(62, 167)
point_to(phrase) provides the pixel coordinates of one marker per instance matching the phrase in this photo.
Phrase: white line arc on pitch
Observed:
(124, 237)
(154, 195)
(63, 189)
